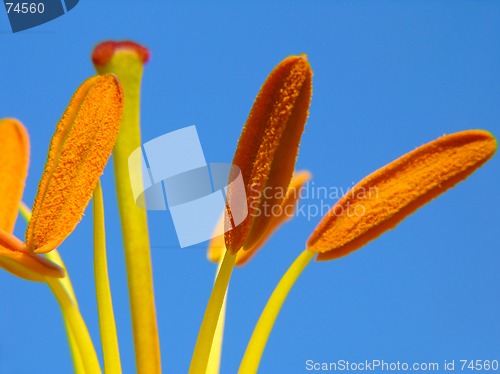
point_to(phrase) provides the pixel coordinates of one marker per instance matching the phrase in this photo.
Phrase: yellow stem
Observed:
(213, 366)
(64, 293)
(65, 283)
(201, 353)
(75, 350)
(55, 257)
(77, 327)
(127, 66)
(107, 326)
(257, 343)
(25, 211)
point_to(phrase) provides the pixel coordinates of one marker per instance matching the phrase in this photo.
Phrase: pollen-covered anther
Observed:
(269, 144)
(397, 190)
(78, 153)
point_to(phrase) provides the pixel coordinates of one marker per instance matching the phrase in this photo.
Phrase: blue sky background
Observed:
(388, 77)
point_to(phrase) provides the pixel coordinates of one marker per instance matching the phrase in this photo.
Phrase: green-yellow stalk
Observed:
(128, 67)
(77, 327)
(75, 351)
(67, 288)
(201, 353)
(213, 366)
(107, 325)
(74, 324)
(260, 335)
